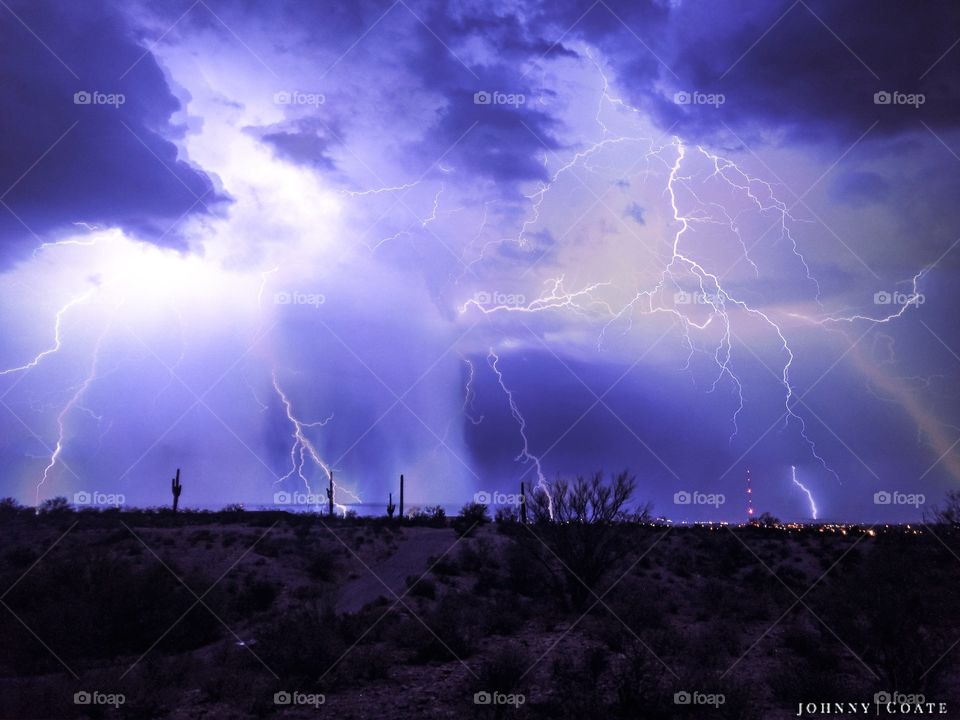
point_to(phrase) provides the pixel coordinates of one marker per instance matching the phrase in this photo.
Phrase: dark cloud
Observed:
(306, 141)
(810, 70)
(101, 162)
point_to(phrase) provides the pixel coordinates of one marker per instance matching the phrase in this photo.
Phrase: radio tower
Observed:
(749, 498)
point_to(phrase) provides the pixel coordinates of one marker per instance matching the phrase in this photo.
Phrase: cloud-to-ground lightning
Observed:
(805, 489)
(72, 403)
(303, 446)
(525, 455)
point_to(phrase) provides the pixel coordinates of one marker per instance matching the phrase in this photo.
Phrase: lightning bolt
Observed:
(82, 243)
(914, 299)
(57, 337)
(721, 301)
(381, 190)
(263, 284)
(813, 505)
(719, 297)
(492, 360)
(303, 447)
(72, 403)
(554, 297)
(469, 394)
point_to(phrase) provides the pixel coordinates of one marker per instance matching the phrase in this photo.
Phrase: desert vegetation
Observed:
(589, 609)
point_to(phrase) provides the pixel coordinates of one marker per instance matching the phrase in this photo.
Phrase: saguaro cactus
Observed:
(176, 488)
(391, 508)
(523, 504)
(330, 495)
(401, 497)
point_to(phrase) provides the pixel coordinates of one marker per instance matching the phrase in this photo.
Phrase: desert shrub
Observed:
(422, 587)
(527, 574)
(10, 508)
(55, 506)
(367, 663)
(585, 538)
(574, 684)
(322, 566)
(429, 516)
(101, 607)
(640, 688)
(200, 536)
(505, 515)
(444, 566)
(713, 643)
(255, 596)
(302, 643)
(503, 670)
(471, 516)
(894, 610)
(455, 625)
(948, 512)
(20, 556)
(636, 604)
(506, 616)
(800, 638)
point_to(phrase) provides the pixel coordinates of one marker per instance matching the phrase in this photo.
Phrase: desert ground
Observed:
(211, 615)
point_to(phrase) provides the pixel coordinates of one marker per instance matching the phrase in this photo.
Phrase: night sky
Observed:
(479, 243)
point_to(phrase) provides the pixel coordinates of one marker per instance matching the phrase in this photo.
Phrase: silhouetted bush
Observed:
(471, 516)
(302, 643)
(584, 539)
(893, 609)
(422, 587)
(102, 607)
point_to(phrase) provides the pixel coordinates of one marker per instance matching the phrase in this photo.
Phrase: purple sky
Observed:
(481, 243)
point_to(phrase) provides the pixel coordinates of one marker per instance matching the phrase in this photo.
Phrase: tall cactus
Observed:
(330, 495)
(391, 508)
(401, 497)
(523, 504)
(176, 488)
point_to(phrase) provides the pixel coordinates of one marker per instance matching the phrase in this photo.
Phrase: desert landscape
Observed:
(271, 614)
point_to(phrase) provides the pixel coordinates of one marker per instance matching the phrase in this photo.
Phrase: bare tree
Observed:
(949, 512)
(576, 532)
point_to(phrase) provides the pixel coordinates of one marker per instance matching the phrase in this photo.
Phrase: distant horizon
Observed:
(452, 508)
